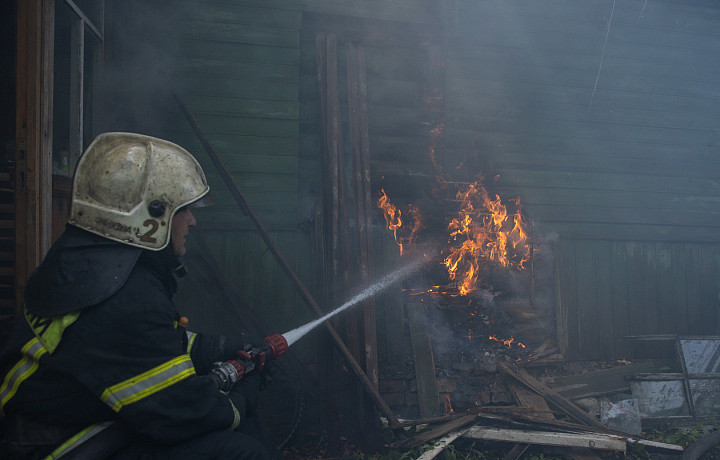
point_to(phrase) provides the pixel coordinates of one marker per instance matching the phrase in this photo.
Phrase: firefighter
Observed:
(100, 363)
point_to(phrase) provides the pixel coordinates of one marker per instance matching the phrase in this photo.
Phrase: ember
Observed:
(508, 343)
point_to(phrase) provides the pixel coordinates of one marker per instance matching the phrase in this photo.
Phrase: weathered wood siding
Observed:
(602, 116)
(238, 66)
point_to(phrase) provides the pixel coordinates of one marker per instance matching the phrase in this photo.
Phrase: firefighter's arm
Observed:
(150, 382)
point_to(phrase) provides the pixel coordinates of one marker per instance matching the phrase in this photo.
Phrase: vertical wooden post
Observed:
(365, 218)
(366, 315)
(33, 171)
(77, 79)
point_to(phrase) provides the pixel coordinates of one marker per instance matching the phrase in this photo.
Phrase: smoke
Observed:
(143, 67)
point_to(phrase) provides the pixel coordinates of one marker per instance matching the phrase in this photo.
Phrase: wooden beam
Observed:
(436, 432)
(424, 361)
(33, 172)
(441, 444)
(546, 438)
(551, 396)
(359, 151)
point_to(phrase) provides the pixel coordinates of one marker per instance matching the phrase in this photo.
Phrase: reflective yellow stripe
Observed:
(236, 416)
(191, 340)
(148, 383)
(50, 329)
(78, 439)
(32, 352)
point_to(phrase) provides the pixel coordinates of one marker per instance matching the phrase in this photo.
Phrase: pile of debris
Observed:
(586, 409)
(533, 420)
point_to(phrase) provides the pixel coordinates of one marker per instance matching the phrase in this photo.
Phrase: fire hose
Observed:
(251, 358)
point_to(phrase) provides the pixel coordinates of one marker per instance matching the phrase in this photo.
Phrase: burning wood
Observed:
(482, 232)
(484, 235)
(508, 343)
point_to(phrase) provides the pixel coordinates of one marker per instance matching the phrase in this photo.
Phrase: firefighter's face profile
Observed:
(181, 223)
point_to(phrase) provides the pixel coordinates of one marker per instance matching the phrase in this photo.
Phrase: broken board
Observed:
(424, 361)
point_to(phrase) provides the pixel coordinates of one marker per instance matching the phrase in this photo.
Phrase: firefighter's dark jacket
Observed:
(100, 341)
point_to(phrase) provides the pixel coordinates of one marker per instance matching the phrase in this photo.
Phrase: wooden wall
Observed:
(246, 70)
(601, 116)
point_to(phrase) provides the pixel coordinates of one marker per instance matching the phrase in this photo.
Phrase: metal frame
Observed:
(685, 376)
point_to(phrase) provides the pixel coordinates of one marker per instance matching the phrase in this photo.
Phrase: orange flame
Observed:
(448, 405)
(393, 216)
(507, 342)
(394, 221)
(483, 232)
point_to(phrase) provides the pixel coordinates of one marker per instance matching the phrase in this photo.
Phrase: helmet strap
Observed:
(179, 270)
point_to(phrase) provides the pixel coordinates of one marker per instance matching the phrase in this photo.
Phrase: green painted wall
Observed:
(602, 116)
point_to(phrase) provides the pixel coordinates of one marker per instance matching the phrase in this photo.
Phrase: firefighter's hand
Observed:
(244, 395)
(256, 361)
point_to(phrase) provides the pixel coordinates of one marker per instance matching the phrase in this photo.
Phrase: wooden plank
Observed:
(588, 440)
(567, 311)
(629, 232)
(436, 432)
(600, 382)
(530, 399)
(226, 86)
(710, 294)
(572, 98)
(592, 158)
(424, 361)
(639, 216)
(667, 301)
(587, 300)
(272, 164)
(211, 11)
(679, 293)
(676, 200)
(615, 148)
(550, 395)
(240, 33)
(238, 71)
(271, 183)
(441, 444)
(261, 108)
(628, 183)
(390, 302)
(606, 321)
(620, 299)
(638, 301)
(33, 131)
(242, 126)
(693, 280)
(358, 123)
(231, 144)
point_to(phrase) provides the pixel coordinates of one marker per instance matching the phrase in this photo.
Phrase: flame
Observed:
(508, 342)
(448, 405)
(481, 233)
(393, 219)
(393, 216)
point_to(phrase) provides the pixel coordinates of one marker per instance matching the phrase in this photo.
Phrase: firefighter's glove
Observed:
(244, 395)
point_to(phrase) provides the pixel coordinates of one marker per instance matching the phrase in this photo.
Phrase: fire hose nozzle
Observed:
(278, 345)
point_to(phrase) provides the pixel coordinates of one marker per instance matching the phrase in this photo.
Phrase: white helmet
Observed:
(128, 187)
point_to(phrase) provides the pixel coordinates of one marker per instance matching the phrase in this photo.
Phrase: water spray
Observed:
(297, 333)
